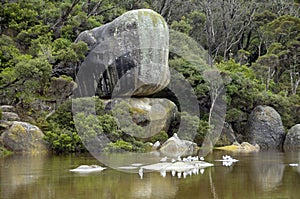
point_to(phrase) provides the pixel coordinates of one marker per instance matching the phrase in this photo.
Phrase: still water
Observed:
(258, 175)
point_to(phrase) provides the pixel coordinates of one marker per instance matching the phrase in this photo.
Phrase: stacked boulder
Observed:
(128, 61)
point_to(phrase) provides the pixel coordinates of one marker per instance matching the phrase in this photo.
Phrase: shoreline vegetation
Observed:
(254, 45)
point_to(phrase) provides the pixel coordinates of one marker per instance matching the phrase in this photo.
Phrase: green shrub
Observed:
(119, 146)
(64, 135)
(189, 124)
(64, 141)
(162, 136)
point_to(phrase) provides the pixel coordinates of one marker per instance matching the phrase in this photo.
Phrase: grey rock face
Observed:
(7, 108)
(24, 137)
(292, 139)
(128, 56)
(227, 136)
(265, 128)
(10, 116)
(175, 147)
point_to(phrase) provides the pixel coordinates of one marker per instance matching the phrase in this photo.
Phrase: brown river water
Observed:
(256, 175)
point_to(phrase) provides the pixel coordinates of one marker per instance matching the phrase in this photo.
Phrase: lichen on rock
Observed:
(24, 137)
(128, 56)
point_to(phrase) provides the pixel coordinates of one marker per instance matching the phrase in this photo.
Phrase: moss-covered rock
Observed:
(143, 117)
(244, 147)
(4, 151)
(24, 137)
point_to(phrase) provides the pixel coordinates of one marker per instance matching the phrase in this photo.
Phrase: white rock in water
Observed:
(127, 167)
(141, 173)
(163, 173)
(173, 173)
(88, 169)
(294, 164)
(157, 166)
(164, 159)
(136, 164)
(227, 158)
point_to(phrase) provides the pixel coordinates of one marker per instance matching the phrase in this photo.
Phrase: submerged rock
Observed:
(128, 56)
(175, 147)
(265, 128)
(88, 169)
(24, 137)
(244, 147)
(292, 139)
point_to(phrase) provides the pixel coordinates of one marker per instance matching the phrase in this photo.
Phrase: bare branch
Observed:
(93, 11)
(64, 16)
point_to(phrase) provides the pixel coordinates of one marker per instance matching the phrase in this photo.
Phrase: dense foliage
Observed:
(255, 44)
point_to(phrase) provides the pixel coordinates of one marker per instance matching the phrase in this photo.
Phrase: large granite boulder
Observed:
(128, 56)
(175, 147)
(292, 139)
(265, 128)
(143, 117)
(24, 137)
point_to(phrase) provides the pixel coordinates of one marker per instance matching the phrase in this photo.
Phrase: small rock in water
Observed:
(164, 159)
(163, 173)
(294, 164)
(173, 173)
(227, 163)
(184, 174)
(227, 158)
(179, 174)
(136, 164)
(88, 169)
(141, 173)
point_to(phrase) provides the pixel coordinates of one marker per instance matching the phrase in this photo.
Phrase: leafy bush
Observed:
(64, 141)
(189, 124)
(119, 146)
(62, 134)
(162, 136)
(122, 146)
